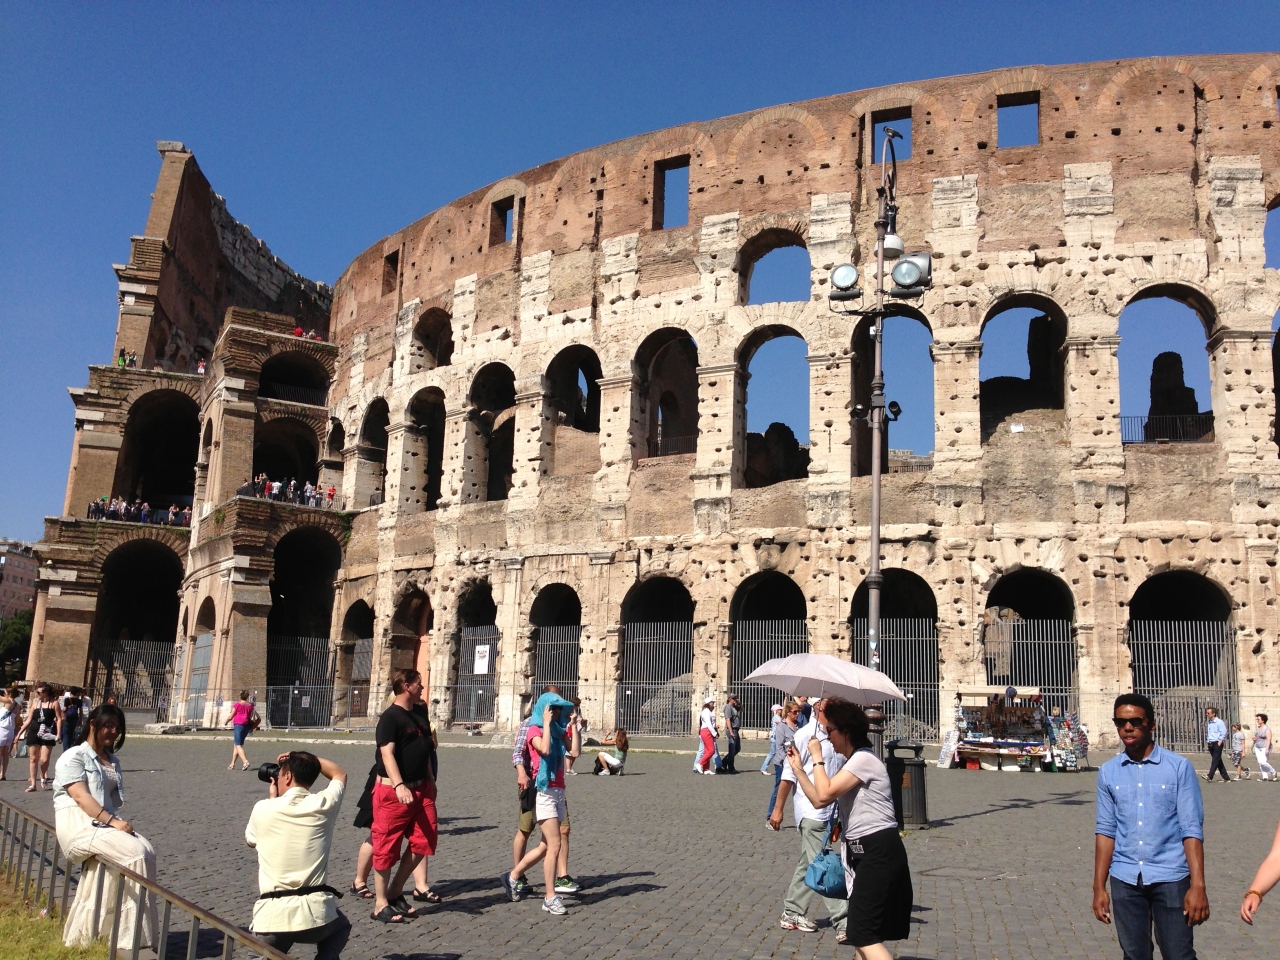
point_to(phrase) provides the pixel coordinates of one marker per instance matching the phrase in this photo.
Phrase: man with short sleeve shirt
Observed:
(811, 824)
(1215, 735)
(1149, 841)
(733, 733)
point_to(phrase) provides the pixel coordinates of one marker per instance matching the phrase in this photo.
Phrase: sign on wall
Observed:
(482, 659)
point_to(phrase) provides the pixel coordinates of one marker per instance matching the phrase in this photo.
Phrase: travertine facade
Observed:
(1151, 178)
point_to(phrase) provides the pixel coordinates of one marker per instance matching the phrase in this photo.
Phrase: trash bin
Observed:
(905, 762)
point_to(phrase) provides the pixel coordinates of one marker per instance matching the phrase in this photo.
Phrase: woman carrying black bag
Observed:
(875, 860)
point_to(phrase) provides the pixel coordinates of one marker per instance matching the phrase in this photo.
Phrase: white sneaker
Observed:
(572, 773)
(794, 921)
(554, 906)
(709, 773)
(603, 773)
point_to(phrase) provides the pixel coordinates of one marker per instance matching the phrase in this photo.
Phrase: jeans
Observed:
(1215, 761)
(1138, 911)
(330, 939)
(777, 779)
(799, 896)
(732, 748)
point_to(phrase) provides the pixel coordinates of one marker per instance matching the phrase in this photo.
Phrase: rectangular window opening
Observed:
(501, 221)
(900, 120)
(1018, 119)
(390, 272)
(671, 193)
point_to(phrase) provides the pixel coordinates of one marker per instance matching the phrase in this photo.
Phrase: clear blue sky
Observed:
(330, 126)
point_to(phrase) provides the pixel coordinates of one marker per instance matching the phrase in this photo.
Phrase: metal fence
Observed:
(1033, 653)
(29, 853)
(754, 642)
(908, 652)
(300, 673)
(655, 697)
(672, 446)
(1184, 667)
(311, 396)
(473, 694)
(557, 651)
(1187, 428)
(138, 673)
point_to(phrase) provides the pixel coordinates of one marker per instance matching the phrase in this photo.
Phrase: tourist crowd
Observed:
(288, 490)
(138, 511)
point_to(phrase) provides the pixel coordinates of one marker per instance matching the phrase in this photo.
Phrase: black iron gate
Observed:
(655, 696)
(1184, 667)
(473, 694)
(754, 642)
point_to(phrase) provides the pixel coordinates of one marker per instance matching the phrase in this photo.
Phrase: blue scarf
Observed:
(553, 759)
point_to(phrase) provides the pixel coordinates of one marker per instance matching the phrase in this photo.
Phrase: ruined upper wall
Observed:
(193, 263)
(1156, 121)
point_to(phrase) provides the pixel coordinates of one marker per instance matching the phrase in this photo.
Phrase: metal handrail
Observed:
(16, 846)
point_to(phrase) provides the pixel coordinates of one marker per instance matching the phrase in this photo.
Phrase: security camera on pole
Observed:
(912, 275)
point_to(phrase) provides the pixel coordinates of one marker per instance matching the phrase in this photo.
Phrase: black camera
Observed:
(268, 772)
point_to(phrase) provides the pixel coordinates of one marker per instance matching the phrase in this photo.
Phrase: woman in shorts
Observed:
(42, 729)
(611, 762)
(241, 721)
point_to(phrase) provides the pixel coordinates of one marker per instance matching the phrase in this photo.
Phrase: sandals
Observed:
(401, 906)
(427, 896)
(30, 789)
(388, 914)
(362, 892)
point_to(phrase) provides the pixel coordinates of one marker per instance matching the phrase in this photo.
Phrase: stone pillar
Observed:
(513, 634)
(957, 416)
(622, 440)
(533, 436)
(719, 390)
(61, 630)
(94, 457)
(231, 458)
(453, 479)
(1092, 406)
(403, 484)
(1244, 402)
(831, 439)
(240, 648)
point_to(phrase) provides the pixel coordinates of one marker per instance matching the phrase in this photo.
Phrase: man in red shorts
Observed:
(404, 798)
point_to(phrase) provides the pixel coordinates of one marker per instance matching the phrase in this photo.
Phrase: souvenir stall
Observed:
(998, 728)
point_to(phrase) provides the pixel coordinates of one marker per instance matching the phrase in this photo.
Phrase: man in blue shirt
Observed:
(1149, 840)
(1215, 735)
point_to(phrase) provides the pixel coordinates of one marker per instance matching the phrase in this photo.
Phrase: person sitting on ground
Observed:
(292, 830)
(612, 762)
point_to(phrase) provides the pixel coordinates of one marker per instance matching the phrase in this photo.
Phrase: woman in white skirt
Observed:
(88, 791)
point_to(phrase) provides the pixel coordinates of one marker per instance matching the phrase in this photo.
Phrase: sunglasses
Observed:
(1135, 722)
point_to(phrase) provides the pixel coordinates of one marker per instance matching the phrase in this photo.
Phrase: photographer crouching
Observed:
(292, 831)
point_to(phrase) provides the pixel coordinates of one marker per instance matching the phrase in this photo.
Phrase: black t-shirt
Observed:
(410, 731)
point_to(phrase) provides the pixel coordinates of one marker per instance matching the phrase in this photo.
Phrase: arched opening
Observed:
(1182, 646)
(556, 616)
(207, 618)
(1022, 369)
(493, 432)
(907, 443)
(776, 406)
(477, 664)
(1164, 370)
(773, 267)
(907, 651)
(355, 661)
(1027, 640)
(285, 450)
(573, 388)
(655, 695)
(432, 343)
(770, 619)
(667, 368)
(371, 456)
(411, 627)
(135, 625)
(296, 378)
(157, 458)
(206, 442)
(300, 664)
(424, 452)
(337, 441)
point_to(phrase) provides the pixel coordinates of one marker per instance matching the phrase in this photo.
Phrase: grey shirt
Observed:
(782, 737)
(867, 808)
(732, 719)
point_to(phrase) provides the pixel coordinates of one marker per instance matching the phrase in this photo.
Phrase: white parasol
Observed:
(821, 675)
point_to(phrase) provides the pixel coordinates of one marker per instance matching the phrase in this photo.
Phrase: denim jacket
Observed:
(80, 765)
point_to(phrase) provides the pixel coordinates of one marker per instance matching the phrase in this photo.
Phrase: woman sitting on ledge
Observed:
(88, 790)
(611, 762)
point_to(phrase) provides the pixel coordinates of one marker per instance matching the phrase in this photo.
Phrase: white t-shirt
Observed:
(708, 720)
(867, 808)
(803, 809)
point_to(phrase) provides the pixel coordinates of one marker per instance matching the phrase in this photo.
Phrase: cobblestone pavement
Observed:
(679, 866)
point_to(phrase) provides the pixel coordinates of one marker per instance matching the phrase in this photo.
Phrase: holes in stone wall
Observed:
(432, 343)
(671, 193)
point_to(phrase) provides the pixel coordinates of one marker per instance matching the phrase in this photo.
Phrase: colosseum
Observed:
(517, 439)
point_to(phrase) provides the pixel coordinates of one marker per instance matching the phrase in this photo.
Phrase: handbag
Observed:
(825, 875)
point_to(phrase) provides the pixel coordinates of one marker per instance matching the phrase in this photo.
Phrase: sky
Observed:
(329, 126)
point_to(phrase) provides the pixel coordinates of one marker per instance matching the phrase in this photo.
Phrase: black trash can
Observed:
(905, 762)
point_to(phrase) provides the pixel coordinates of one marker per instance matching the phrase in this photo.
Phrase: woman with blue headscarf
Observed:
(551, 738)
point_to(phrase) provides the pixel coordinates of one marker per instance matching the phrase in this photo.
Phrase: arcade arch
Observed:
(556, 616)
(777, 385)
(295, 378)
(432, 342)
(655, 694)
(492, 437)
(424, 451)
(908, 373)
(773, 267)
(770, 619)
(477, 664)
(1022, 334)
(1027, 637)
(285, 449)
(371, 456)
(158, 454)
(666, 366)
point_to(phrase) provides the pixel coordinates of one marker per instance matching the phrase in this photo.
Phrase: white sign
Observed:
(482, 659)
(306, 701)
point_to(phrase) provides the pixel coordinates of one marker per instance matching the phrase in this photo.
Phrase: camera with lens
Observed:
(268, 772)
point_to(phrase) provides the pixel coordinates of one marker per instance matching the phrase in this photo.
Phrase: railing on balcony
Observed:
(670, 446)
(1185, 428)
(283, 391)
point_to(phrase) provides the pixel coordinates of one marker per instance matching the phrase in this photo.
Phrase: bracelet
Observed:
(1256, 894)
(400, 784)
(819, 763)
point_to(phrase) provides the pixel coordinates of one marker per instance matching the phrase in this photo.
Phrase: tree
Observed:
(15, 638)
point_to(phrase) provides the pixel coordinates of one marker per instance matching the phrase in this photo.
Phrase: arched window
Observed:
(556, 615)
(491, 460)
(295, 378)
(285, 449)
(773, 267)
(777, 406)
(1164, 370)
(135, 624)
(907, 651)
(655, 695)
(432, 344)
(667, 367)
(371, 455)
(1027, 637)
(573, 388)
(424, 453)
(770, 619)
(1183, 650)
(300, 663)
(1021, 369)
(477, 664)
(907, 443)
(355, 661)
(157, 458)
(207, 618)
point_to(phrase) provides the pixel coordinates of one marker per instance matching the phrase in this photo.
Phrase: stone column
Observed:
(719, 388)
(831, 439)
(401, 488)
(513, 633)
(1244, 402)
(957, 413)
(533, 433)
(1092, 406)
(456, 479)
(622, 440)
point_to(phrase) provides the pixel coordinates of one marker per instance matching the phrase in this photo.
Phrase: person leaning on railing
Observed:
(88, 791)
